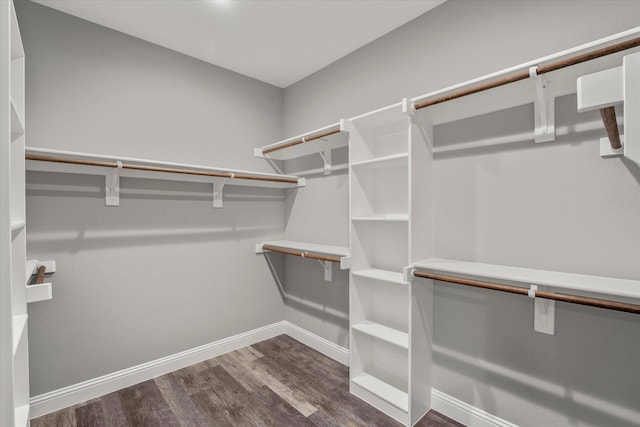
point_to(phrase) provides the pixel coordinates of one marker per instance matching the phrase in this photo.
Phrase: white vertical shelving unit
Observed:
(14, 352)
(385, 211)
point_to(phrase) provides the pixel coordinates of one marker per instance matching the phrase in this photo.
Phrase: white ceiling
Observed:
(276, 41)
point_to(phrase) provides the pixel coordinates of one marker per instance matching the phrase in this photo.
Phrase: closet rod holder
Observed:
(592, 302)
(302, 140)
(542, 69)
(159, 169)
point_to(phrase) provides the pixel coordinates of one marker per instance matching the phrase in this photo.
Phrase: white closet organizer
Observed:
(325, 254)
(388, 156)
(320, 141)
(14, 351)
(112, 167)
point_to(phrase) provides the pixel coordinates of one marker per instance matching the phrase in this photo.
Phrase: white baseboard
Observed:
(324, 346)
(464, 413)
(77, 393)
(81, 392)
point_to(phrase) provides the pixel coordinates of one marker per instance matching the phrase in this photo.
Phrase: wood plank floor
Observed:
(278, 382)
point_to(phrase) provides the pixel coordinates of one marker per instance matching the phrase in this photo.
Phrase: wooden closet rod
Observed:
(542, 69)
(608, 115)
(593, 302)
(303, 139)
(159, 169)
(300, 253)
(40, 275)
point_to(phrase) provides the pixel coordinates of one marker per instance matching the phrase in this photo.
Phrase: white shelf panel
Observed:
(17, 225)
(17, 124)
(100, 170)
(337, 251)
(571, 281)
(392, 161)
(388, 218)
(384, 391)
(382, 275)
(329, 142)
(22, 416)
(19, 326)
(40, 292)
(385, 333)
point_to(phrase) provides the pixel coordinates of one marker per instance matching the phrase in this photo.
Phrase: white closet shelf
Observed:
(382, 275)
(391, 161)
(316, 141)
(382, 218)
(19, 327)
(74, 162)
(570, 281)
(383, 390)
(382, 332)
(557, 81)
(17, 126)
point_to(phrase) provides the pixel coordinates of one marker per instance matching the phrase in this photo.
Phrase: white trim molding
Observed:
(324, 346)
(86, 390)
(464, 413)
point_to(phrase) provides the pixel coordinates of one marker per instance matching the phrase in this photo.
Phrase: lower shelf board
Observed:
(385, 333)
(383, 390)
(383, 275)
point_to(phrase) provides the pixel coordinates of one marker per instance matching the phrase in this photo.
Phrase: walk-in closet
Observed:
(320, 213)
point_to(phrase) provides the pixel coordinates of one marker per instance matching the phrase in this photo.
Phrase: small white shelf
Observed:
(40, 292)
(19, 326)
(17, 225)
(383, 390)
(22, 416)
(314, 146)
(382, 218)
(336, 251)
(391, 161)
(555, 279)
(385, 333)
(382, 275)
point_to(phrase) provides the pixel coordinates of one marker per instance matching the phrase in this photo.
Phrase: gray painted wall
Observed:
(547, 206)
(164, 272)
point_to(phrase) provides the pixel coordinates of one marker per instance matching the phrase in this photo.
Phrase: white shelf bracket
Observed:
(273, 164)
(326, 159)
(544, 108)
(259, 249)
(544, 312)
(407, 273)
(112, 186)
(328, 270)
(407, 107)
(218, 186)
(345, 263)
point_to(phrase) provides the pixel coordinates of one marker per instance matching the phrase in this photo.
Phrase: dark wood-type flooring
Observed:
(278, 382)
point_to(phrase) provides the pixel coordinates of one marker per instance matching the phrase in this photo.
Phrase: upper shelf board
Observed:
(336, 251)
(232, 176)
(558, 83)
(317, 141)
(578, 282)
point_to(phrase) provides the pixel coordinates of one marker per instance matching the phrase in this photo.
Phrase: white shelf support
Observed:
(614, 87)
(544, 311)
(112, 186)
(328, 270)
(544, 108)
(218, 186)
(326, 159)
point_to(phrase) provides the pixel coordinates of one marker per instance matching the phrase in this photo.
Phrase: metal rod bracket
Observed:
(544, 312)
(326, 159)
(328, 270)
(218, 186)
